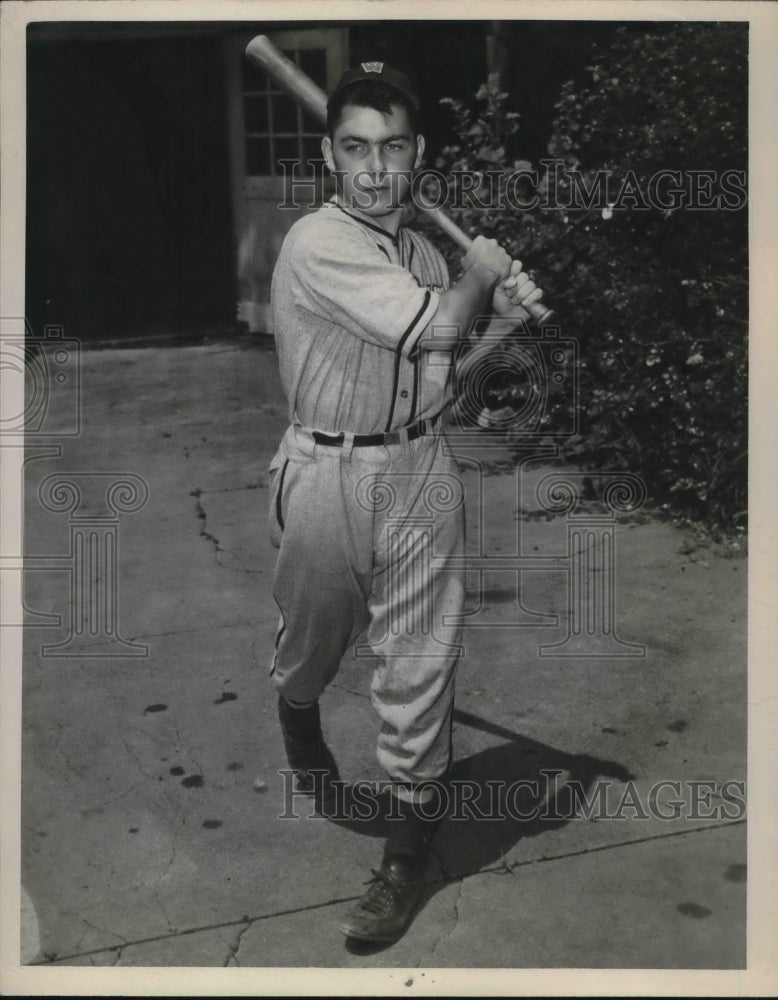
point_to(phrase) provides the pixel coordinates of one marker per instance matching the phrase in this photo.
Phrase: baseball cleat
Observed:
(385, 910)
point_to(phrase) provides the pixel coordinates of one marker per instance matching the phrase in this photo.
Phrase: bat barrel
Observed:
(289, 77)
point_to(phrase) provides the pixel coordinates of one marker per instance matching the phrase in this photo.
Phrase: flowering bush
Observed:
(636, 227)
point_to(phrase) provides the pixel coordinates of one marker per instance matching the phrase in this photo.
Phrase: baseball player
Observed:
(365, 504)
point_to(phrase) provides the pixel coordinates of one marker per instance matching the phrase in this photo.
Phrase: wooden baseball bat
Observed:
(290, 78)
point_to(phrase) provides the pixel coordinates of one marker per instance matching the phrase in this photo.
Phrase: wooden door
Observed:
(268, 130)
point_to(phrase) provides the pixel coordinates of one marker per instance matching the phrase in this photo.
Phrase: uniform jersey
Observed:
(349, 305)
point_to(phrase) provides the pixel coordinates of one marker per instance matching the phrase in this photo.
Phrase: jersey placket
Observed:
(404, 402)
(398, 250)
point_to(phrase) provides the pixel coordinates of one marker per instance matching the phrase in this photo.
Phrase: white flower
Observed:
(695, 359)
(607, 212)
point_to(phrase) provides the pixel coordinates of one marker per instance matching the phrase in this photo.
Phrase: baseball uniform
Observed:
(366, 505)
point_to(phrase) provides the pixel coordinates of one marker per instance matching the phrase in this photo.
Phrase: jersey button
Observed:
(404, 394)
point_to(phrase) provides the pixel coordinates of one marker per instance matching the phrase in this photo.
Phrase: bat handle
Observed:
(539, 312)
(449, 227)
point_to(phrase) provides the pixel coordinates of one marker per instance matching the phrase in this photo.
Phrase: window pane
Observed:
(284, 114)
(255, 114)
(312, 158)
(310, 124)
(286, 149)
(258, 157)
(253, 77)
(314, 63)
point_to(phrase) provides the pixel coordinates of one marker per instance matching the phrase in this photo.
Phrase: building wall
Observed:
(129, 227)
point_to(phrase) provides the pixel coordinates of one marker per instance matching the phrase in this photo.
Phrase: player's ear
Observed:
(419, 151)
(326, 152)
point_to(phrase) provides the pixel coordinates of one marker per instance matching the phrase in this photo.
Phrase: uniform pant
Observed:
(365, 536)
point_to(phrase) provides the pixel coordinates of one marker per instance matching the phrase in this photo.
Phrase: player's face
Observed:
(373, 156)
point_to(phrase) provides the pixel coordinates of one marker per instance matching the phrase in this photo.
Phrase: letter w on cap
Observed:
(373, 67)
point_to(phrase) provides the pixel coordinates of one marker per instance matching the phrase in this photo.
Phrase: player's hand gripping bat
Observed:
(290, 78)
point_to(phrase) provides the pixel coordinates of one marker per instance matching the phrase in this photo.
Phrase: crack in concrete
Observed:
(447, 877)
(504, 867)
(70, 766)
(177, 808)
(615, 846)
(172, 931)
(259, 485)
(204, 533)
(58, 750)
(181, 631)
(243, 568)
(171, 861)
(134, 756)
(447, 933)
(234, 948)
(253, 652)
(348, 690)
(95, 927)
(186, 631)
(187, 750)
(102, 803)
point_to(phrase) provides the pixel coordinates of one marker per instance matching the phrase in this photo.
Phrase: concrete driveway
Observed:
(153, 808)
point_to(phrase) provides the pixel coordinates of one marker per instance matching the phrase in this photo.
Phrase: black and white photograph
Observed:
(387, 446)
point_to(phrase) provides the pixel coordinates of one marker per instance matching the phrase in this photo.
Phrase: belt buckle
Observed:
(392, 437)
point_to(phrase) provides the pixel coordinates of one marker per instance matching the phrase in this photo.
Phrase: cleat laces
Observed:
(380, 898)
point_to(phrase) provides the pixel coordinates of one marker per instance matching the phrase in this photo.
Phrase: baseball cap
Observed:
(378, 72)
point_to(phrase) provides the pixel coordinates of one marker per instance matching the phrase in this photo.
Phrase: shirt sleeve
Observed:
(352, 283)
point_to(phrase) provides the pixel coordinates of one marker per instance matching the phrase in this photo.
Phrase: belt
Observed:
(374, 440)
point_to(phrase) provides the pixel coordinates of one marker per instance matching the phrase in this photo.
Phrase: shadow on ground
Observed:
(496, 798)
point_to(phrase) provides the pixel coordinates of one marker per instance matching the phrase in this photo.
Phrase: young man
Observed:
(362, 308)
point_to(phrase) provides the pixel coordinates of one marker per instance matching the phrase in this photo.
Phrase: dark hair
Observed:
(370, 94)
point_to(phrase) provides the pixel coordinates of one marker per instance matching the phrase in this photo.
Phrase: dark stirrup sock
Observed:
(412, 834)
(301, 723)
